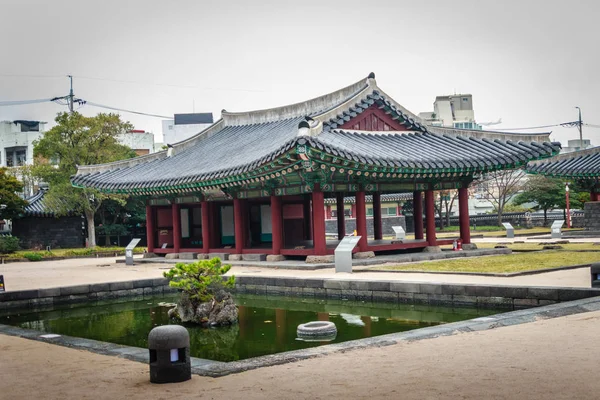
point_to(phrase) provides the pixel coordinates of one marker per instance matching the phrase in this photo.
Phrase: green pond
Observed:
(267, 325)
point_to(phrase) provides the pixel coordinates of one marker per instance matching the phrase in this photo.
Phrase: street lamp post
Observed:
(568, 205)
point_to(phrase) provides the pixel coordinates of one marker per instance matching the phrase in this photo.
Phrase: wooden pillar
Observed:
(361, 220)
(276, 224)
(341, 217)
(377, 228)
(353, 210)
(418, 214)
(318, 222)
(176, 227)
(238, 225)
(463, 212)
(206, 226)
(594, 196)
(150, 228)
(327, 211)
(430, 218)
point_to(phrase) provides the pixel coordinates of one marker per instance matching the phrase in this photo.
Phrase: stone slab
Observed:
(171, 256)
(222, 256)
(188, 256)
(320, 259)
(254, 257)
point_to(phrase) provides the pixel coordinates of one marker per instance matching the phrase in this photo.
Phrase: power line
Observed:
(165, 84)
(23, 102)
(124, 110)
(531, 127)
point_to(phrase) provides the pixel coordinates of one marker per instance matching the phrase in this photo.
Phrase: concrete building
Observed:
(140, 141)
(576, 145)
(453, 111)
(16, 141)
(184, 126)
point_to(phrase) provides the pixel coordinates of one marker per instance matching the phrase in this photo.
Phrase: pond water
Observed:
(267, 325)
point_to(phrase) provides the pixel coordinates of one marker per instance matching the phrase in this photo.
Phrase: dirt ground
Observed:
(48, 274)
(548, 359)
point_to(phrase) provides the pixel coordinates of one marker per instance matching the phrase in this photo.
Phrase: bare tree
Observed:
(500, 187)
(444, 207)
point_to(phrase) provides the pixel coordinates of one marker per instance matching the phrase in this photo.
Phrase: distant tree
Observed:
(79, 140)
(444, 206)
(500, 187)
(546, 192)
(11, 205)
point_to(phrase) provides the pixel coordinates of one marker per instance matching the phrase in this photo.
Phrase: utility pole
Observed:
(71, 96)
(580, 126)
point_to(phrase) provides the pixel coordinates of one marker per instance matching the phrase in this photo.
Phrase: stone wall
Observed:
(39, 232)
(386, 225)
(84, 293)
(592, 215)
(462, 295)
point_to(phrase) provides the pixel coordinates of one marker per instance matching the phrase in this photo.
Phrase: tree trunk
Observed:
(89, 216)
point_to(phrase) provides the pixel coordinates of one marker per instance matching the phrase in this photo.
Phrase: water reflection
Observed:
(266, 325)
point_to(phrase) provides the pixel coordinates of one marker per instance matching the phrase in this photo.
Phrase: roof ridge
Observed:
(492, 135)
(313, 106)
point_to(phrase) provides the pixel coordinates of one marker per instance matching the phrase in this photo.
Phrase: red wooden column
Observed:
(341, 217)
(238, 225)
(328, 212)
(377, 229)
(176, 227)
(463, 212)
(276, 224)
(418, 214)
(361, 220)
(318, 222)
(594, 196)
(353, 210)
(206, 226)
(430, 218)
(150, 228)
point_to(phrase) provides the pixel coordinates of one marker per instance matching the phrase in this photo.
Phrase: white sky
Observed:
(529, 62)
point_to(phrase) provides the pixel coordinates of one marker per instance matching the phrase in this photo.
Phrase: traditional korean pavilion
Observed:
(582, 166)
(256, 182)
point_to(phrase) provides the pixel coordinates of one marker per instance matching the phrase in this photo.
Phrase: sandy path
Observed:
(47, 274)
(555, 359)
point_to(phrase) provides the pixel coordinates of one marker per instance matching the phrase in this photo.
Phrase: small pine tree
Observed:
(202, 280)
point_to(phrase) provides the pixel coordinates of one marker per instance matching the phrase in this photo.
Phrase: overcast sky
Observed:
(528, 62)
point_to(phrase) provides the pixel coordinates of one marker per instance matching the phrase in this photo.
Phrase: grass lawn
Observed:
(537, 246)
(504, 263)
(495, 233)
(35, 255)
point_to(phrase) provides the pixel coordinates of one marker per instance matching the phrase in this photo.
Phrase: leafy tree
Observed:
(79, 140)
(547, 192)
(500, 187)
(200, 280)
(11, 205)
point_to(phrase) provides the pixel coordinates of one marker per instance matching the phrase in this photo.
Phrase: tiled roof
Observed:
(37, 207)
(430, 151)
(240, 143)
(578, 164)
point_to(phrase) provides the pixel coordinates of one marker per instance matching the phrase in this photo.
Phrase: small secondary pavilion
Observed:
(256, 182)
(581, 166)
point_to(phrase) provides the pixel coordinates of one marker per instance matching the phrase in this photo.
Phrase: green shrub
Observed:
(8, 244)
(31, 256)
(200, 280)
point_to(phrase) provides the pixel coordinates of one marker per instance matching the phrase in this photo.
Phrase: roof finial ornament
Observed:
(303, 128)
(371, 75)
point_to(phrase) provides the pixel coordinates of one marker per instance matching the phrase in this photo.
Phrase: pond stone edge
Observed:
(216, 369)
